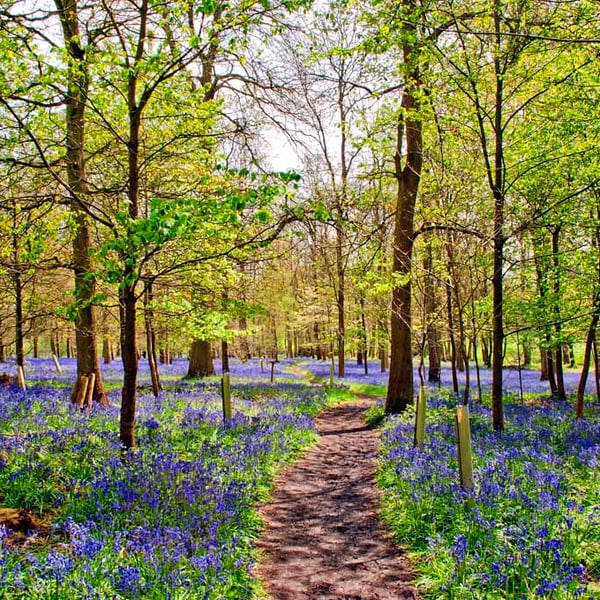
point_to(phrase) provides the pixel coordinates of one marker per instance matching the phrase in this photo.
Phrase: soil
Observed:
(323, 539)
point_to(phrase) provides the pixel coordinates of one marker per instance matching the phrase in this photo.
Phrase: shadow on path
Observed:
(323, 539)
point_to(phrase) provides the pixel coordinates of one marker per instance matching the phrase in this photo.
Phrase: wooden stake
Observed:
(463, 439)
(82, 387)
(89, 396)
(226, 394)
(20, 377)
(57, 364)
(420, 417)
(331, 369)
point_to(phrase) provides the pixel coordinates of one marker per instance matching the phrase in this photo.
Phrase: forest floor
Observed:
(323, 539)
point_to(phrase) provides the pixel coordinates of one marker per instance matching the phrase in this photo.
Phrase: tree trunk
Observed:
(433, 343)
(363, 337)
(201, 362)
(543, 365)
(54, 346)
(340, 302)
(106, 352)
(463, 354)
(151, 341)
(19, 320)
(289, 342)
(589, 343)
(243, 340)
(225, 356)
(409, 140)
(486, 356)
(560, 380)
(526, 354)
(129, 356)
(85, 286)
(453, 352)
(597, 368)
(550, 369)
(497, 276)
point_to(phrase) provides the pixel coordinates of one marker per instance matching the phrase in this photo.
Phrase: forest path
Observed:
(323, 539)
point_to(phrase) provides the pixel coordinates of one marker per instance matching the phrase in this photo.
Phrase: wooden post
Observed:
(20, 377)
(331, 370)
(420, 416)
(463, 439)
(226, 395)
(90, 389)
(81, 391)
(57, 364)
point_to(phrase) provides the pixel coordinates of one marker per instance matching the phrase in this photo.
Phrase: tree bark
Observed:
(224, 356)
(433, 343)
(560, 380)
(106, 353)
(19, 320)
(129, 356)
(543, 365)
(363, 336)
(85, 285)
(497, 185)
(201, 362)
(453, 353)
(400, 393)
(585, 367)
(590, 343)
(340, 299)
(151, 341)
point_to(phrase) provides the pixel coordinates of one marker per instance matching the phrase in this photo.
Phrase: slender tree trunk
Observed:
(560, 380)
(225, 356)
(409, 141)
(486, 356)
(433, 343)
(106, 352)
(590, 344)
(585, 367)
(19, 320)
(526, 354)
(363, 339)
(453, 352)
(151, 341)
(129, 356)
(128, 298)
(340, 301)
(462, 345)
(499, 241)
(85, 285)
(543, 365)
(596, 367)
(289, 345)
(550, 368)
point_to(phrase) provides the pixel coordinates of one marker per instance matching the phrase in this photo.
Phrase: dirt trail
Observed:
(323, 539)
